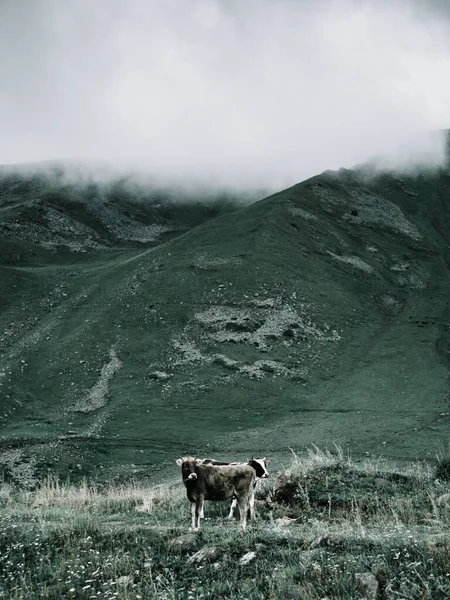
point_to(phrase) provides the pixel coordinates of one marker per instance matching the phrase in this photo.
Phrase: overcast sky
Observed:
(246, 91)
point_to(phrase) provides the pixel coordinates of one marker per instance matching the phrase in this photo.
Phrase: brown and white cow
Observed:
(258, 464)
(218, 482)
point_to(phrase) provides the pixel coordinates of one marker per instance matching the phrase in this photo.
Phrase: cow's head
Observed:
(188, 464)
(260, 465)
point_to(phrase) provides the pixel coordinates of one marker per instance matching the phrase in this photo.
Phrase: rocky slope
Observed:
(131, 335)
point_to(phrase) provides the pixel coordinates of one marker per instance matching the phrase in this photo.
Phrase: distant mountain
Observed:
(133, 330)
(51, 212)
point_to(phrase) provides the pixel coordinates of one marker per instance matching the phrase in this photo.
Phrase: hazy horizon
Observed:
(246, 93)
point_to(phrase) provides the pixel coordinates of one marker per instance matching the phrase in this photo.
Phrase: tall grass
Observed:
(53, 492)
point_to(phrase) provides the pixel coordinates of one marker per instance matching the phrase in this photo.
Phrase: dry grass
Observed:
(52, 492)
(316, 458)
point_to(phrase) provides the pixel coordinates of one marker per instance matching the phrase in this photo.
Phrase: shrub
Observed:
(443, 469)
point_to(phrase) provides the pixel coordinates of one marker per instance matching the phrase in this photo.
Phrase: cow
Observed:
(218, 482)
(259, 464)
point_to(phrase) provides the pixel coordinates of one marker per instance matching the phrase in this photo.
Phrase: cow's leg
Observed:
(243, 508)
(251, 503)
(193, 505)
(232, 507)
(202, 514)
(198, 511)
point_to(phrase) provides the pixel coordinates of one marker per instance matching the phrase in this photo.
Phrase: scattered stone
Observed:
(377, 210)
(20, 468)
(353, 261)
(159, 375)
(444, 500)
(183, 542)
(330, 540)
(97, 396)
(248, 557)
(224, 361)
(367, 584)
(300, 212)
(206, 554)
(285, 521)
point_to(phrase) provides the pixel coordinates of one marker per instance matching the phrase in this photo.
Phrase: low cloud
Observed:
(249, 93)
(424, 151)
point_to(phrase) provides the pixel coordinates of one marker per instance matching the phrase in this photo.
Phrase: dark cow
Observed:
(258, 464)
(218, 482)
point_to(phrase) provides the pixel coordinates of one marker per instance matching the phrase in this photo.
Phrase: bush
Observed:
(443, 469)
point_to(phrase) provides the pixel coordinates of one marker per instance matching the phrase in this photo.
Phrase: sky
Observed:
(248, 92)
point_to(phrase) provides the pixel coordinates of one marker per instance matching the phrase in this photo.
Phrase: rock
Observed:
(248, 557)
(367, 584)
(183, 542)
(444, 500)
(159, 375)
(206, 554)
(335, 541)
(284, 521)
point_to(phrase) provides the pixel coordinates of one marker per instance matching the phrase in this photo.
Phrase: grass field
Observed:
(327, 527)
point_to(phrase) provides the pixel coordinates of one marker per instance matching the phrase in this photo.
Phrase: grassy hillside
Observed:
(318, 315)
(326, 527)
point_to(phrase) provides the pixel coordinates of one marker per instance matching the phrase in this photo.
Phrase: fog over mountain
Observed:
(249, 93)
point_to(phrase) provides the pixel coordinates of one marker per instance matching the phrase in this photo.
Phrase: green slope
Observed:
(317, 315)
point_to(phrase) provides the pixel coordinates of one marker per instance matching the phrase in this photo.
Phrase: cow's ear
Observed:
(267, 462)
(179, 461)
(198, 461)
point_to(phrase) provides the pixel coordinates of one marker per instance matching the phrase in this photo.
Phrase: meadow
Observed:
(327, 527)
